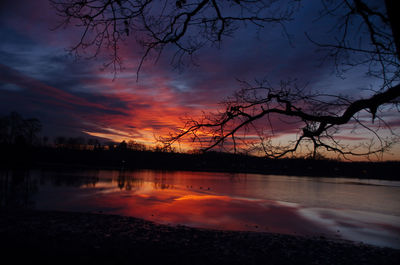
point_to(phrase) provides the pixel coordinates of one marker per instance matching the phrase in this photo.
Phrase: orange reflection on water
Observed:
(201, 208)
(280, 204)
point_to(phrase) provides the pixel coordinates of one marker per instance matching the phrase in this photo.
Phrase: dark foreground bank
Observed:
(35, 237)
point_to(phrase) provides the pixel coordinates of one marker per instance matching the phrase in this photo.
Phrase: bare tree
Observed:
(318, 118)
(186, 25)
(14, 129)
(368, 36)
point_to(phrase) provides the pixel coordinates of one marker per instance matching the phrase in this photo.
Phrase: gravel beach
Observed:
(40, 237)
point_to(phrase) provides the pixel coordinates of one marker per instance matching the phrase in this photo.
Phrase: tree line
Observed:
(17, 131)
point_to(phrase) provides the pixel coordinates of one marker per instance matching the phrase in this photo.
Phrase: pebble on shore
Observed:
(50, 237)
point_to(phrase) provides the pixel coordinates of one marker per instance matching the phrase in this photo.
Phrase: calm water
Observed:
(360, 210)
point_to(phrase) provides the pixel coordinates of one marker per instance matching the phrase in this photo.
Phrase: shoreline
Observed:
(78, 166)
(52, 237)
(211, 162)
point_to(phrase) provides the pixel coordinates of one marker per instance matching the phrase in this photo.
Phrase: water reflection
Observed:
(17, 188)
(69, 178)
(306, 206)
(129, 182)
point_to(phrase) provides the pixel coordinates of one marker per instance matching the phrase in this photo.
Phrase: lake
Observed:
(342, 208)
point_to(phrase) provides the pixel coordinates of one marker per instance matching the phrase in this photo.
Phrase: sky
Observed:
(76, 97)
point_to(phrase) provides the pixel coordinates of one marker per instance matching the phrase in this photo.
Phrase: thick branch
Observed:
(239, 115)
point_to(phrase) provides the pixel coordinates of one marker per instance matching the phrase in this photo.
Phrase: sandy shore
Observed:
(38, 237)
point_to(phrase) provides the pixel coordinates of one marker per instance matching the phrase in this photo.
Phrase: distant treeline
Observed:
(19, 132)
(45, 157)
(81, 143)
(21, 147)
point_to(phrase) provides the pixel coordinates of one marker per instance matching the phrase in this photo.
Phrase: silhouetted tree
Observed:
(111, 145)
(94, 144)
(4, 124)
(367, 34)
(76, 143)
(164, 149)
(33, 127)
(60, 141)
(15, 130)
(122, 145)
(133, 145)
(45, 140)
